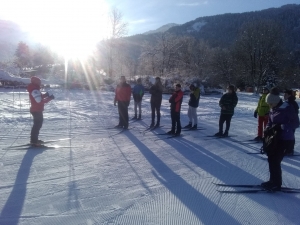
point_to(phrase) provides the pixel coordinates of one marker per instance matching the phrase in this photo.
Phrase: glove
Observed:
(51, 97)
(277, 127)
(266, 131)
(47, 94)
(255, 114)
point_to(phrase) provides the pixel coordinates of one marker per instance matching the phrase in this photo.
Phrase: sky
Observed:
(63, 24)
(153, 14)
(99, 177)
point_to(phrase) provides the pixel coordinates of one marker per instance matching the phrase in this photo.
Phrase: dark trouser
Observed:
(123, 114)
(155, 106)
(274, 158)
(223, 118)
(37, 125)
(175, 116)
(290, 147)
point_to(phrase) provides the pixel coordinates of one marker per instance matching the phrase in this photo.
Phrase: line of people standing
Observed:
(122, 98)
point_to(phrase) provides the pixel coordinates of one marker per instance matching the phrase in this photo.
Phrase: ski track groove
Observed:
(121, 210)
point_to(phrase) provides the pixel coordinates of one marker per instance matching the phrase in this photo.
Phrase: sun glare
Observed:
(69, 27)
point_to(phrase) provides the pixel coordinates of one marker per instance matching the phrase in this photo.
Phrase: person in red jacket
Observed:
(122, 97)
(37, 101)
(176, 100)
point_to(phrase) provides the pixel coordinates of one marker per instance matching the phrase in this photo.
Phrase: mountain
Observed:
(162, 29)
(222, 30)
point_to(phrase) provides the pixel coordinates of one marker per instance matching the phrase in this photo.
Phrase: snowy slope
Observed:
(131, 178)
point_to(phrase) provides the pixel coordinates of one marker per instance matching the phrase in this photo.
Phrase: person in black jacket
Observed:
(289, 96)
(227, 103)
(155, 101)
(193, 105)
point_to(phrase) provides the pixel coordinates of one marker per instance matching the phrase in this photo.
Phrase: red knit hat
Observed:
(35, 80)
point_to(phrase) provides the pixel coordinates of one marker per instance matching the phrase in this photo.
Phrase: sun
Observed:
(70, 27)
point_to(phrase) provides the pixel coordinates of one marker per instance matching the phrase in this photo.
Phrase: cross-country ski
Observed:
(42, 143)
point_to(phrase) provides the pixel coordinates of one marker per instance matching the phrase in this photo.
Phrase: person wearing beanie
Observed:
(262, 112)
(156, 91)
(289, 96)
(284, 120)
(37, 101)
(176, 101)
(193, 105)
(227, 103)
(138, 93)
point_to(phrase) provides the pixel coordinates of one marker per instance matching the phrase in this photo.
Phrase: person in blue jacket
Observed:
(138, 93)
(283, 118)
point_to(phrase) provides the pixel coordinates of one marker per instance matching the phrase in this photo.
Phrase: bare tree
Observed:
(162, 56)
(222, 65)
(118, 28)
(258, 49)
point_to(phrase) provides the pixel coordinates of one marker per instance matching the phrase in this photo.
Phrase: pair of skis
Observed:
(212, 137)
(253, 189)
(42, 146)
(149, 129)
(176, 136)
(169, 136)
(121, 130)
(134, 120)
(199, 128)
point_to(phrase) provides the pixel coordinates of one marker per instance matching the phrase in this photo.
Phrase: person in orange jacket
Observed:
(176, 101)
(122, 97)
(37, 101)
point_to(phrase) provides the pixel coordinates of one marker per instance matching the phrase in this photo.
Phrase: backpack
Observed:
(270, 140)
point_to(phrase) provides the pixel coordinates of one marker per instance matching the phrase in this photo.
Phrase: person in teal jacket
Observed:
(262, 112)
(138, 93)
(227, 103)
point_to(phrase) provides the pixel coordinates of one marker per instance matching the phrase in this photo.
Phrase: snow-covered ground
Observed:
(131, 178)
